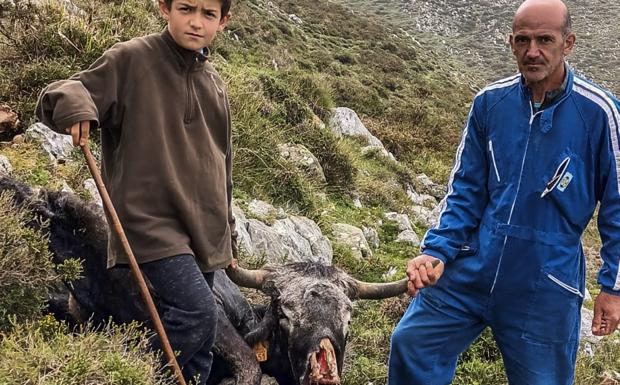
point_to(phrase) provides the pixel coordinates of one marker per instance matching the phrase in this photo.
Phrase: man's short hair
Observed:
(225, 6)
(567, 27)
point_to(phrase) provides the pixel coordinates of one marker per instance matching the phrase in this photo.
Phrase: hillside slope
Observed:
(476, 32)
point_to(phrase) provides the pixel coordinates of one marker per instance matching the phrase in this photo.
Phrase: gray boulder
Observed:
(352, 237)
(345, 122)
(372, 237)
(244, 241)
(408, 236)
(402, 219)
(300, 157)
(262, 210)
(91, 187)
(5, 165)
(57, 146)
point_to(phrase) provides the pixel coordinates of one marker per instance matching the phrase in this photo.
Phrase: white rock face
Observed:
(244, 242)
(402, 219)
(290, 239)
(261, 210)
(372, 237)
(345, 122)
(57, 146)
(408, 236)
(303, 159)
(91, 187)
(352, 237)
(295, 19)
(5, 165)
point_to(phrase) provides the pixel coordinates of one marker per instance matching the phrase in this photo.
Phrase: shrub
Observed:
(26, 269)
(46, 352)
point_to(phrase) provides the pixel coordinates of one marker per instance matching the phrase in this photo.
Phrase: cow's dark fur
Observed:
(308, 301)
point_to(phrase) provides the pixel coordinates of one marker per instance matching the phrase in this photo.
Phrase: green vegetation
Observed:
(45, 352)
(283, 78)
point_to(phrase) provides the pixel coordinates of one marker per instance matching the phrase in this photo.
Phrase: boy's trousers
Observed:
(188, 312)
(429, 338)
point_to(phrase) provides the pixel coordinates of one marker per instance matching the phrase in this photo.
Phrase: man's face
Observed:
(540, 47)
(193, 24)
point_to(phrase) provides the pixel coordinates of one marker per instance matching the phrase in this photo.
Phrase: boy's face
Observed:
(194, 23)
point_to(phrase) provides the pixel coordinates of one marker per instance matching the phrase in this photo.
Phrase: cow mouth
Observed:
(322, 366)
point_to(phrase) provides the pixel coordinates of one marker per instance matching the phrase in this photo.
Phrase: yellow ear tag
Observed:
(260, 349)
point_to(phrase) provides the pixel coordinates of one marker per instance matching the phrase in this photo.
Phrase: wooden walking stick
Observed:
(135, 270)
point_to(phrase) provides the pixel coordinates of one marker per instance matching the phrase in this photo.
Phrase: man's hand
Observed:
(606, 314)
(79, 132)
(421, 273)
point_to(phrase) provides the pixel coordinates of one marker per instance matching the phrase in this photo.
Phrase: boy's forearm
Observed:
(65, 103)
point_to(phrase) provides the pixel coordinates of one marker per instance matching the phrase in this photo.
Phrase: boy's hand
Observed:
(79, 132)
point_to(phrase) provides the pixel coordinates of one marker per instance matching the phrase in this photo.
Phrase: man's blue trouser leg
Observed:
(429, 338)
(427, 341)
(533, 359)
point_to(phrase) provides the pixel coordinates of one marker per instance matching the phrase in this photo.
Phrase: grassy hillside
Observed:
(284, 78)
(476, 32)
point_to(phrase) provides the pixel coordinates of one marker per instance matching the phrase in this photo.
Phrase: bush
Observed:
(46, 352)
(26, 269)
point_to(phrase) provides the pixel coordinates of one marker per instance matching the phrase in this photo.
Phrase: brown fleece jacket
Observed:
(166, 144)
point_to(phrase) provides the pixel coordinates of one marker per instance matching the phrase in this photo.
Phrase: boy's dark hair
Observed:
(225, 5)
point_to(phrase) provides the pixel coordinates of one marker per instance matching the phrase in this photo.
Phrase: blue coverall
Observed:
(524, 187)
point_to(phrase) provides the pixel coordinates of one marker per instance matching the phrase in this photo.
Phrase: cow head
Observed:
(309, 314)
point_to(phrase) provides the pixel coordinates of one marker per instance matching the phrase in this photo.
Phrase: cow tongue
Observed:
(323, 365)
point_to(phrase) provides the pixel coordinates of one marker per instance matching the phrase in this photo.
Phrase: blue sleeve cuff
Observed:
(610, 291)
(436, 254)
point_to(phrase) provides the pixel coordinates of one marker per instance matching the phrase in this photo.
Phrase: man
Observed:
(539, 151)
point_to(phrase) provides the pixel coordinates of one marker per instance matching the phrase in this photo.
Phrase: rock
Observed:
(372, 237)
(262, 210)
(319, 244)
(345, 122)
(585, 333)
(91, 187)
(402, 220)
(352, 237)
(57, 146)
(8, 119)
(425, 185)
(294, 239)
(408, 236)
(295, 19)
(66, 188)
(425, 200)
(610, 377)
(300, 157)
(379, 150)
(18, 139)
(298, 247)
(244, 241)
(266, 242)
(387, 276)
(5, 165)
(424, 216)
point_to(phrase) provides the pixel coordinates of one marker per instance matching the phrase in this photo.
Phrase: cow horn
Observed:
(367, 290)
(252, 279)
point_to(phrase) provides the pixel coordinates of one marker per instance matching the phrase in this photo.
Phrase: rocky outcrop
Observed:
(57, 146)
(345, 122)
(301, 158)
(352, 237)
(5, 165)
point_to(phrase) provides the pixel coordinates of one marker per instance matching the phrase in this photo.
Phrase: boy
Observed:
(166, 146)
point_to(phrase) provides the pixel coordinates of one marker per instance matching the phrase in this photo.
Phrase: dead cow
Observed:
(301, 331)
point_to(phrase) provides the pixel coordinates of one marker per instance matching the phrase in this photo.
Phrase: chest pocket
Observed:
(570, 189)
